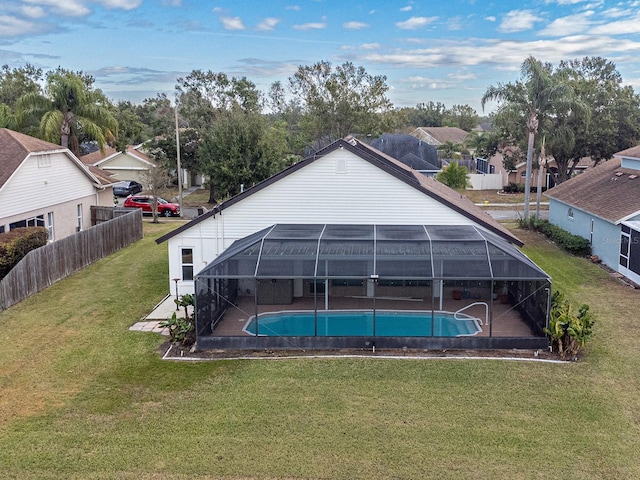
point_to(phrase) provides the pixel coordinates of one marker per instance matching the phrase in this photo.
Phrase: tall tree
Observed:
(71, 109)
(14, 84)
(614, 108)
(427, 114)
(461, 116)
(340, 101)
(131, 130)
(532, 97)
(240, 148)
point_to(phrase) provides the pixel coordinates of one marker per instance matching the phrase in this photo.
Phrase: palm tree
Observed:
(70, 108)
(450, 149)
(454, 176)
(539, 91)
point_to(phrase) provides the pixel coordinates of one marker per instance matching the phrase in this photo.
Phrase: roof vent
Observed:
(633, 176)
(619, 174)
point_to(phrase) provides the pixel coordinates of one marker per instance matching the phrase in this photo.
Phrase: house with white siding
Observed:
(603, 205)
(43, 184)
(132, 164)
(362, 249)
(347, 182)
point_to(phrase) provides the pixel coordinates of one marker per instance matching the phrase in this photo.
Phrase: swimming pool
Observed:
(353, 323)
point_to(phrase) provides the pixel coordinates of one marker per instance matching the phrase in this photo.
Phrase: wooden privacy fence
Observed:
(46, 265)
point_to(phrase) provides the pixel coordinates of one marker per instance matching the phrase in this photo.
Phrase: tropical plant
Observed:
(454, 176)
(70, 111)
(450, 150)
(569, 330)
(181, 329)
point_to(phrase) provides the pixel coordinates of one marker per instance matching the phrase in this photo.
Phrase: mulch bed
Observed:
(187, 353)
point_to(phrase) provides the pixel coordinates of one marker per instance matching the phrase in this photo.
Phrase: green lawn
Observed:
(81, 397)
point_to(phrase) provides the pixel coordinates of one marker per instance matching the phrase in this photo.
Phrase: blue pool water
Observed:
(360, 323)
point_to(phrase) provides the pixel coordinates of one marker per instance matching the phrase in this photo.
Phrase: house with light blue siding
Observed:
(603, 206)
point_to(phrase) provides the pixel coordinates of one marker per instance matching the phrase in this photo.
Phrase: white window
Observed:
(570, 213)
(79, 226)
(44, 161)
(50, 225)
(187, 264)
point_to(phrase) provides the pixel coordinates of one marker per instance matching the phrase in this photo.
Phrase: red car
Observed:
(145, 202)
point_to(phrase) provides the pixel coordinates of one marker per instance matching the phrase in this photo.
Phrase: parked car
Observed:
(145, 202)
(126, 188)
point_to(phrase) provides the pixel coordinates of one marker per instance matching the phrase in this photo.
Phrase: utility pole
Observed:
(179, 169)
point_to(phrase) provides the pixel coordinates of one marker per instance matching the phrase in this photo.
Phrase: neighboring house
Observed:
(437, 136)
(518, 175)
(411, 151)
(43, 184)
(347, 182)
(603, 205)
(130, 165)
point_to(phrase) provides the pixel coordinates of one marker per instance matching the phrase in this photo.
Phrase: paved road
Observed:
(515, 214)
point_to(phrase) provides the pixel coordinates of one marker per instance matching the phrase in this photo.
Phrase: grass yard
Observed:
(84, 398)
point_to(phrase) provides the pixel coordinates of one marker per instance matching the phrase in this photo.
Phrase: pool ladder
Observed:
(486, 311)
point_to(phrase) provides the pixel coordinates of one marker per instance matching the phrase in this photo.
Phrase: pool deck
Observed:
(507, 321)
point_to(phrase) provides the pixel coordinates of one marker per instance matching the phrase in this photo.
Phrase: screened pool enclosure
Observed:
(360, 286)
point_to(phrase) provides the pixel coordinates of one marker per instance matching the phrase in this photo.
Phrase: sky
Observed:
(446, 51)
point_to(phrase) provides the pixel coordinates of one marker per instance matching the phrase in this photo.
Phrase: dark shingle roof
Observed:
(409, 150)
(606, 191)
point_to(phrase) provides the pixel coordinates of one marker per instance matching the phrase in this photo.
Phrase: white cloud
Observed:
(123, 4)
(518, 21)
(496, 54)
(354, 25)
(293, 7)
(12, 26)
(232, 23)
(172, 3)
(71, 8)
(620, 27)
(415, 22)
(268, 24)
(455, 23)
(311, 26)
(408, 8)
(76, 8)
(490, 18)
(370, 46)
(33, 12)
(570, 25)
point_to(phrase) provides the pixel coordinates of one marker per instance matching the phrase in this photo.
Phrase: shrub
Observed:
(569, 330)
(182, 330)
(14, 245)
(573, 244)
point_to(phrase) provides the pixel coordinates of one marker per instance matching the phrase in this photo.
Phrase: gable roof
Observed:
(426, 185)
(633, 152)
(607, 191)
(15, 147)
(96, 158)
(441, 135)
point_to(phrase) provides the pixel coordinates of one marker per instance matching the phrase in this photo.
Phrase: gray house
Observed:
(603, 205)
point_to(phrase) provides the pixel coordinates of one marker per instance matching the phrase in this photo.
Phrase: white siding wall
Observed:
(35, 189)
(314, 194)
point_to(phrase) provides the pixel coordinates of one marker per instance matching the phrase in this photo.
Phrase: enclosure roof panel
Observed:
(371, 251)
